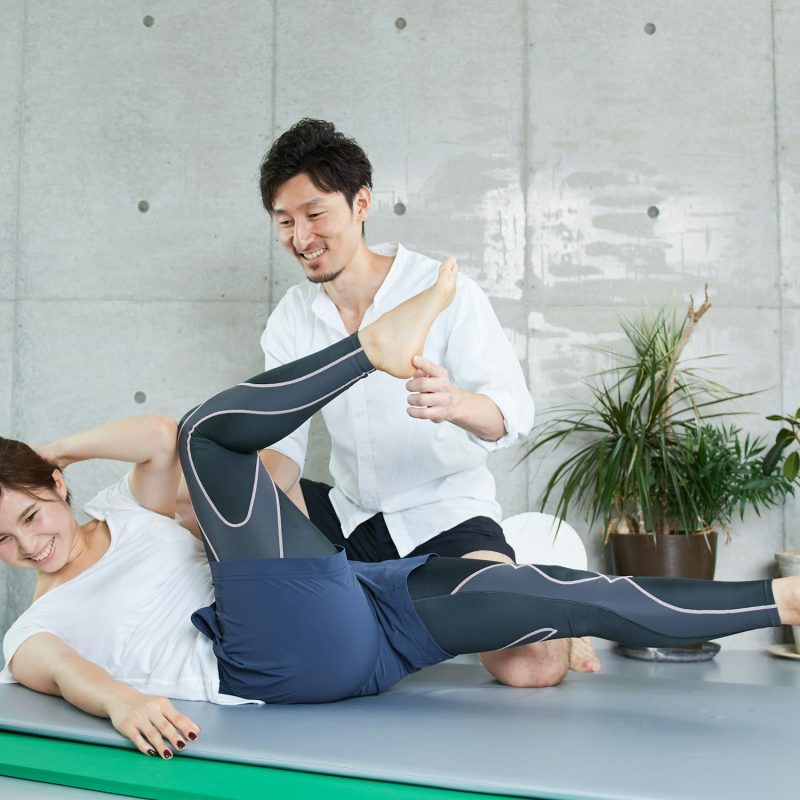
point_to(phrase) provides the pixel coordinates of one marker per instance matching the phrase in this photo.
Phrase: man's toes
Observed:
(582, 656)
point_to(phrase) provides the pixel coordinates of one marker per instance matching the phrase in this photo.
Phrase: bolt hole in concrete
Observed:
(139, 397)
(649, 29)
(653, 212)
(143, 206)
(400, 23)
(148, 21)
(399, 209)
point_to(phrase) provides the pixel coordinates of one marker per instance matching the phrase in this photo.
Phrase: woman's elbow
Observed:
(165, 435)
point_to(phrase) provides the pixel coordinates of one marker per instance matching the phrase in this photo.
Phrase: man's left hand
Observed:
(432, 395)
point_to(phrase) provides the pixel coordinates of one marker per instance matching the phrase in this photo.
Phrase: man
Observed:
(404, 485)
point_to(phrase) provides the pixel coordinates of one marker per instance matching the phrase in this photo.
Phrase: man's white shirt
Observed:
(425, 477)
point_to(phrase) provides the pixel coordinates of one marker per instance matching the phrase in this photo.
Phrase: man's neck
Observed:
(354, 290)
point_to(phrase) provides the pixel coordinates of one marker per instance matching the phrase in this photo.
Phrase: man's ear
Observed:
(362, 202)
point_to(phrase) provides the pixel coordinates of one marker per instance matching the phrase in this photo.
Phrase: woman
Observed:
(288, 619)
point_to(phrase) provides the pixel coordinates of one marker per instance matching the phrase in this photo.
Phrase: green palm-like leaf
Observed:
(791, 466)
(643, 447)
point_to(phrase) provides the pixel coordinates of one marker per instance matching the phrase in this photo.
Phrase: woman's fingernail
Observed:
(192, 736)
(167, 754)
(180, 745)
(152, 752)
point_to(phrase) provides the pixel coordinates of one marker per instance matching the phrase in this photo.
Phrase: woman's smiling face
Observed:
(37, 530)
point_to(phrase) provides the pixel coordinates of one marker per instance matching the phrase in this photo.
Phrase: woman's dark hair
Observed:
(332, 161)
(22, 469)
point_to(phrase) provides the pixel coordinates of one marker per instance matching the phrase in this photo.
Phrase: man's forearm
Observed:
(479, 415)
(285, 475)
(283, 471)
(295, 494)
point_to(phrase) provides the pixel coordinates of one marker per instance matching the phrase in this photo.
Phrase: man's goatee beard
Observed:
(329, 276)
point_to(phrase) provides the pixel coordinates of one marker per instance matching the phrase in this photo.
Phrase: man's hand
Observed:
(151, 722)
(432, 395)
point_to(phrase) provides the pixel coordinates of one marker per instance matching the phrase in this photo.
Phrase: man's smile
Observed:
(314, 254)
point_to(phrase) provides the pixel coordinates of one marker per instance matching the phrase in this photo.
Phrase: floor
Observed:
(728, 728)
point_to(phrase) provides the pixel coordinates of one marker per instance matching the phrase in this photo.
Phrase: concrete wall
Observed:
(530, 139)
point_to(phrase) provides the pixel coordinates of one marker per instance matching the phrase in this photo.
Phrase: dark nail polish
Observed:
(180, 745)
(167, 754)
(192, 736)
(152, 752)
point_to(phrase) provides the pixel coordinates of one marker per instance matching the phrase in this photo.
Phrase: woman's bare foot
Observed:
(396, 337)
(787, 597)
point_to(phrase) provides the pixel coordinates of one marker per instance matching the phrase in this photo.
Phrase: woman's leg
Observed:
(472, 606)
(241, 513)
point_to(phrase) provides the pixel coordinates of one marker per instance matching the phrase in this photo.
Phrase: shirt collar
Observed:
(323, 307)
(395, 273)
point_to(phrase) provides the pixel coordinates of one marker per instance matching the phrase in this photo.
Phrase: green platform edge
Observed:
(118, 771)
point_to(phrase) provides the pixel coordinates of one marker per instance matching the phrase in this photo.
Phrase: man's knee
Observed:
(532, 666)
(489, 555)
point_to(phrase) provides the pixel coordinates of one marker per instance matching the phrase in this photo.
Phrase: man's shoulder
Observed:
(419, 270)
(294, 308)
(416, 263)
(301, 295)
(291, 315)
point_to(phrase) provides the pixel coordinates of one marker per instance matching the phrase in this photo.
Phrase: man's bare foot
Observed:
(396, 337)
(582, 657)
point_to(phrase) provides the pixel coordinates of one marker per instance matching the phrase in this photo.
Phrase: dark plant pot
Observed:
(674, 555)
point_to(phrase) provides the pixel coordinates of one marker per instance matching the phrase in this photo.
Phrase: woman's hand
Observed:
(151, 722)
(53, 453)
(45, 663)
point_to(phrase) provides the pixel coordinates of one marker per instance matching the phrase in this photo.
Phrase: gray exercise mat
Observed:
(728, 729)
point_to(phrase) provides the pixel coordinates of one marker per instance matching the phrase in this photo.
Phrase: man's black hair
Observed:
(333, 162)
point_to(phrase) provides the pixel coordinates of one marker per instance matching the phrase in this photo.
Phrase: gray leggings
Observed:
(467, 606)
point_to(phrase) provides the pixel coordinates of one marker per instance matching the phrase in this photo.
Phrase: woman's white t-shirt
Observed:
(130, 612)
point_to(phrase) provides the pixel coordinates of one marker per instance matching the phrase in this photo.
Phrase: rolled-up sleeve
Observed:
(279, 342)
(480, 359)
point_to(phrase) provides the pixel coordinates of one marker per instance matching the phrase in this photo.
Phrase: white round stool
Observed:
(540, 539)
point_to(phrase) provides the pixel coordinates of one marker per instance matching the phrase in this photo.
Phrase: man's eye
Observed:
(284, 222)
(315, 215)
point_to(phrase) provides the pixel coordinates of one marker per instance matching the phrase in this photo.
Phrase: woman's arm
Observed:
(149, 442)
(46, 664)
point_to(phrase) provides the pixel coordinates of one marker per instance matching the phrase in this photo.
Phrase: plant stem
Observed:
(692, 318)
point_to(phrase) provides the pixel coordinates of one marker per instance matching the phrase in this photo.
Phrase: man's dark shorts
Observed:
(371, 541)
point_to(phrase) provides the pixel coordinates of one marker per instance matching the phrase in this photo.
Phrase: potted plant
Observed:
(645, 458)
